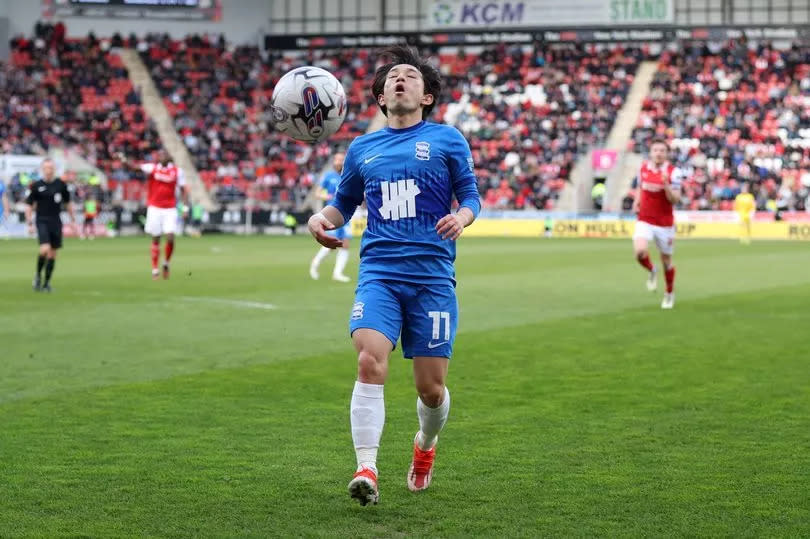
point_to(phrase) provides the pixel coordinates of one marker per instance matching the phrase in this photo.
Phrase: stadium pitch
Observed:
(216, 403)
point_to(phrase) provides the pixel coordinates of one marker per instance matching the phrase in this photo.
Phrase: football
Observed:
(308, 104)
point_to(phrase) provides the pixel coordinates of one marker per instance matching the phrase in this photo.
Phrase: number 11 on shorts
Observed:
(438, 317)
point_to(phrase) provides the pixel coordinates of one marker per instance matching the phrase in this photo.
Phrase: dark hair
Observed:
(405, 55)
(658, 140)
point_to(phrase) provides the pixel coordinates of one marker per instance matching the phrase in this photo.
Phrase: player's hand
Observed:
(450, 227)
(31, 229)
(318, 225)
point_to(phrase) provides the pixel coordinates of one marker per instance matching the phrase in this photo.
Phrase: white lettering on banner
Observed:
(398, 199)
(481, 14)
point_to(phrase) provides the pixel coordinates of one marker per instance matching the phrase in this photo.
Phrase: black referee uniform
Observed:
(49, 198)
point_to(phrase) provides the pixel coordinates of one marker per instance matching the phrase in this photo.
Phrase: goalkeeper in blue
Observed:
(408, 173)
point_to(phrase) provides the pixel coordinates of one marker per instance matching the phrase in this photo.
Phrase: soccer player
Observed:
(745, 206)
(658, 192)
(90, 213)
(164, 179)
(326, 191)
(46, 197)
(408, 173)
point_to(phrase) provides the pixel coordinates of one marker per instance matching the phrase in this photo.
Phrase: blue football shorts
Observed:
(342, 233)
(424, 316)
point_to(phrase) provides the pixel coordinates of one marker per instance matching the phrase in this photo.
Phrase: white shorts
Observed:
(664, 236)
(160, 221)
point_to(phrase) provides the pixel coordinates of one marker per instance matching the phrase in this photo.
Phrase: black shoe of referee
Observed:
(36, 285)
(47, 288)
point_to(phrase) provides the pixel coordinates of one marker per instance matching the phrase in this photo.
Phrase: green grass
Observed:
(132, 407)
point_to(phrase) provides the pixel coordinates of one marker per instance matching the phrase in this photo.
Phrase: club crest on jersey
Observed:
(57, 198)
(423, 151)
(357, 310)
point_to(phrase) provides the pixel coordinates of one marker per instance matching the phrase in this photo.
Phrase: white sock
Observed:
(342, 259)
(431, 421)
(320, 256)
(367, 419)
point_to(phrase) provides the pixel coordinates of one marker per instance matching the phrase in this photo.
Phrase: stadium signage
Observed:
(443, 14)
(326, 42)
(602, 35)
(482, 38)
(190, 10)
(581, 35)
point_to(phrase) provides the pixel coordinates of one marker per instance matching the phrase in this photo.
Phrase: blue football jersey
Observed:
(408, 178)
(330, 183)
(2, 191)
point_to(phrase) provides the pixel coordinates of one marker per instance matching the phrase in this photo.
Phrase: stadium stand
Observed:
(529, 114)
(219, 96)
(73, 93)
(734, 113)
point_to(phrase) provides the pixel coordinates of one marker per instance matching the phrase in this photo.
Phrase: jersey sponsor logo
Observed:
(370, 159)
(165, 177)
(398, 199)
(357, 310)
(653, 187)
(423, 151)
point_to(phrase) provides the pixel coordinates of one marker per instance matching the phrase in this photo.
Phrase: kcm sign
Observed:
(445, 14)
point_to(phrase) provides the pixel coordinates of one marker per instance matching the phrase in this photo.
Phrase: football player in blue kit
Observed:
(408, 173)
(326, 192)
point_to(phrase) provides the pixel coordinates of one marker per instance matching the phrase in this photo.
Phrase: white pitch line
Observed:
(231, 302)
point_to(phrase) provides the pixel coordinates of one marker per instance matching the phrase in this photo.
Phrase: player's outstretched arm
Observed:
(328, 218)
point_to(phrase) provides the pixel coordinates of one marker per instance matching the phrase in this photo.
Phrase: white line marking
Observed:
(231, 302)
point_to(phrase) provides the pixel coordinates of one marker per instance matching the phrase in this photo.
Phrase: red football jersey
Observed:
(162, 184)
(654, 208)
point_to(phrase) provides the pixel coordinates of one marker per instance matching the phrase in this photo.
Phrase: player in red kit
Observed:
(658, 192)
(163, 181)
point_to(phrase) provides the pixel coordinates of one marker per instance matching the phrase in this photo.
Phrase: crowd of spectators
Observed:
(530, 112)
(74, 94)
(219, 97)
(734, 113)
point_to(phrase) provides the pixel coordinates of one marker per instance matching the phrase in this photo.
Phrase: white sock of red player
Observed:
(367, 419)
(322, 253)
(431, 421)
(669, 274)
(342, 259)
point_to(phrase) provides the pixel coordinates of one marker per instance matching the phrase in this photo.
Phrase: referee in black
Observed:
(46, 197)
